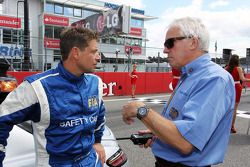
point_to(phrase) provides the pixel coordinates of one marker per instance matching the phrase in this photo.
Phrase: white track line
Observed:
(126, 99)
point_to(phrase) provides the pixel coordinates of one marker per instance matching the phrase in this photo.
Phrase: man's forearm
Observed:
(166, 131)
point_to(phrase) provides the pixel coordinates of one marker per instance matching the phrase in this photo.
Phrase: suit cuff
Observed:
(98, 140)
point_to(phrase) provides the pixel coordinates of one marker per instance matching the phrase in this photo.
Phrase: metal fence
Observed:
(46, 55)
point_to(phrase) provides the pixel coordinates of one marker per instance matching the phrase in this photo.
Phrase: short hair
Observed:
(193, 27)
(75, 37)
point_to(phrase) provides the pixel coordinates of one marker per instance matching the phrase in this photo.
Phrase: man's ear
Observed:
(75, 52)
(194, 43)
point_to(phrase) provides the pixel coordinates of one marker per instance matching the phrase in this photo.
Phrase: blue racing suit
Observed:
(67, 114)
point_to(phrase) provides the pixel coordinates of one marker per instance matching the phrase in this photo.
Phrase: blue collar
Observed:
(196, 64)
(67, 75)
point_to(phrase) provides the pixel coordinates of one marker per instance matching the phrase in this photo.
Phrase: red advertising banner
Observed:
(118, 83)
(136, 49)
(135, 31)
(12, 22)
(51, 43)
(55, 20)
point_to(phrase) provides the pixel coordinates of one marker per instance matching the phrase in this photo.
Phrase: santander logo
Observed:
(56, 20)
(12, 22)
(51, 43)
(135, 31)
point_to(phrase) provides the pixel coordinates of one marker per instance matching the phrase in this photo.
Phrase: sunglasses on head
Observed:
(169, 43)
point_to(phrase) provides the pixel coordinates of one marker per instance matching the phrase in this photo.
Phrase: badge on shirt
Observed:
(190, 70)
(173, 113)
(92, 102)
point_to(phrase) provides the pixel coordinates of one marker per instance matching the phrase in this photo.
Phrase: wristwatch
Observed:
(142, 112)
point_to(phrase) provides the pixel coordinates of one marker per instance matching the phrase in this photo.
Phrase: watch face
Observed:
(142, 110)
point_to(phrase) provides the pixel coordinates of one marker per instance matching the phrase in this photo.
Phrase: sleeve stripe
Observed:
(14, 101)
(40, 127)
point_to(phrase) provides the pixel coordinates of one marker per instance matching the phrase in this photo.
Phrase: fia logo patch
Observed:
(173, 113)
(92, 102)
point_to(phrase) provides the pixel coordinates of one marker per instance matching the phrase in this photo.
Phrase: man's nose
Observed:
(98, 57)
(165, 50)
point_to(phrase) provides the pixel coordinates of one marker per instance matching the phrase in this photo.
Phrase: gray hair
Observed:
(193, 27)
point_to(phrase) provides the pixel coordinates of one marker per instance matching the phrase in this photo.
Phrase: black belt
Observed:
(164, 163)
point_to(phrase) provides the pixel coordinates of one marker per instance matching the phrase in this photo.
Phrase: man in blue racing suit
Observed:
(64, 104)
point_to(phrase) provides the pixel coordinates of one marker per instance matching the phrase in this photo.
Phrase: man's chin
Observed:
(172, 65)
(90, 70)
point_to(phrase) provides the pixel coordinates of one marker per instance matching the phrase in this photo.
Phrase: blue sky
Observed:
(227, 20)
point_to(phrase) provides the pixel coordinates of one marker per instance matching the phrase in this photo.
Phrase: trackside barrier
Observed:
(118, 83)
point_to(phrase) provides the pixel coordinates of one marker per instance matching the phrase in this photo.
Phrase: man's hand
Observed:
(150, 141)
(130, 111)
(100, 151)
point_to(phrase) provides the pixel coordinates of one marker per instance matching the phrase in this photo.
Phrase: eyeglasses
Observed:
(169, 43)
